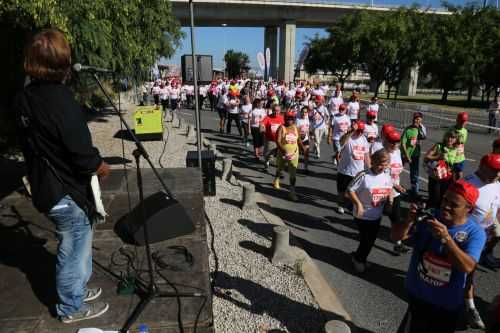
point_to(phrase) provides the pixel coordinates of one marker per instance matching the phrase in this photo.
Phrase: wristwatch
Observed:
(445, 239)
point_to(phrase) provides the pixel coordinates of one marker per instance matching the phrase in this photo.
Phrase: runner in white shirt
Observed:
(354, 158)
(374, 107)
(353, 107)
(369, 191)
(155, 91)
(245, 110)
(334, 103)
(174, 93)
(303, 125)
(487, 214)
(391, 145)
(233, 111)
(319, 124)
(164, 92)
(371, 129)
(256, 116)
(339, 125)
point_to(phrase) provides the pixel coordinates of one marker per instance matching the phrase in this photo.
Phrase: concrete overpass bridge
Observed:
(273, 15)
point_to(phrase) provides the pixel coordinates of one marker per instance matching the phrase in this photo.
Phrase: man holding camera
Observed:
(448, 245)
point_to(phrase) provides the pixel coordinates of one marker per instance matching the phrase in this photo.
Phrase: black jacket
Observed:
(57, 145)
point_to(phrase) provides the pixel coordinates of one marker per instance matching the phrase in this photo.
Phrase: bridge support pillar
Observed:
(271, 42)
(409, 84)
(287, 51)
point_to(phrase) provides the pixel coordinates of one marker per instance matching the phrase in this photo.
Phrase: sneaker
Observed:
(359, 267)
(340, 210)
(490, 261)
(474, 319)
(88, 311)
(92, 294)
(292, 195)
(276, 184)
(400, 249)
(266, 165)
(247, 144)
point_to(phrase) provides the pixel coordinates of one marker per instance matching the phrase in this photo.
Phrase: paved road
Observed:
(375, 300)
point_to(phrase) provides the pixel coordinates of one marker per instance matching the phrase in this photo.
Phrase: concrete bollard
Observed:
(337, 326)
(174, 118)
(213, 147)
(249, 196)
(281, 246)
(205, 142)
(190, 131)
(227, 165)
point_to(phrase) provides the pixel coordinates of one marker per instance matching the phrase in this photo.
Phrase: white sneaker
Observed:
(340, 210)
(474, 319)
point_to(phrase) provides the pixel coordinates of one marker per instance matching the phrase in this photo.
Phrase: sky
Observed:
(216, 40)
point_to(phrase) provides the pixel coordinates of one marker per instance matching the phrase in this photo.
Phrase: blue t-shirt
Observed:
(431, 276)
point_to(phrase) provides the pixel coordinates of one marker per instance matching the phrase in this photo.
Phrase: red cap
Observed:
(496, 143)
(371, 114)
(342, 107)
(466, 190)
(393, 136)
(290, 114)
(492, 161)
(361, 125)
(298, 93)
(319, 98)
(386, 128)
(462, 117)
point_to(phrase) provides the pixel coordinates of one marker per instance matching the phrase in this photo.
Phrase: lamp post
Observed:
(195, 79)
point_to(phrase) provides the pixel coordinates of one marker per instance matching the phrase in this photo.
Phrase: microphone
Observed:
(81, 68)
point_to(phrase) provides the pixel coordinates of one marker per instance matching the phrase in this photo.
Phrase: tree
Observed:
(127, 36)
(236, 63)
(337, 54)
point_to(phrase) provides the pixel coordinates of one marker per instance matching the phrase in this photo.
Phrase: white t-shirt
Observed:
(256, 116)
(174, 93)
(371, 131)
(488, 203)
(319, 117)
(374, 107)
(353, 110)
(341, 124)
(352, 156)
(164, 93)
(245, 109)
(155, 90)
(303, 126)
(232, 106)
(221, 103)
(375, 146)
(203, 91)
(335, 103)
(395, 170)
(373, 191)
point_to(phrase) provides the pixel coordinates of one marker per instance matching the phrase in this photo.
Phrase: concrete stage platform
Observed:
(27, 262)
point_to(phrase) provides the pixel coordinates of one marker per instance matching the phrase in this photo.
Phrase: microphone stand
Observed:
(151, 291)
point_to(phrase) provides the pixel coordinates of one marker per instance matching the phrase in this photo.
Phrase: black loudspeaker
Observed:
(165, 219)
(207, 169)
(205, 69)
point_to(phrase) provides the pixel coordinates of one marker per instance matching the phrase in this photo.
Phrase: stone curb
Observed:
(322, 292)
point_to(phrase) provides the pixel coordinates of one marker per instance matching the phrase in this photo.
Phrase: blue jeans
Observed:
(414, 169)
(74, 254)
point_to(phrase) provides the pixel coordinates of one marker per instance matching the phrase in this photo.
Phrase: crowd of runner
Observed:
(451, 231)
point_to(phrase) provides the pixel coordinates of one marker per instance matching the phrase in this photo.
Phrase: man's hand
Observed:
(438, 229)
(103, 171)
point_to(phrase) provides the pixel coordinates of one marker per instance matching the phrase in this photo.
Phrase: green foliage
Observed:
(236, 63)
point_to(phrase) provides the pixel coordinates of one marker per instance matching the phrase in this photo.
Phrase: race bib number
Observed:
(370, 135)
(274, 127)
(290, 138)
(379, 195)
(413, 141)
(396, 170)
(434, 270)
(358, 152)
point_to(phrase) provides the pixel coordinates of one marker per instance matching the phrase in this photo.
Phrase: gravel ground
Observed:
(250, 294)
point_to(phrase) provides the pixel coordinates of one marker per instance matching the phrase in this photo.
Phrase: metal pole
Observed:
(195, 77)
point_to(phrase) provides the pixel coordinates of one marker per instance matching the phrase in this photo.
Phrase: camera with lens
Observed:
(423, 214)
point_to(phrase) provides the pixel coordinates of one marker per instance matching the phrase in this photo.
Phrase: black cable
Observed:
(212, 249)
(164, 147)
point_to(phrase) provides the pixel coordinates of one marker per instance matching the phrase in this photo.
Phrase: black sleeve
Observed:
(75, 137)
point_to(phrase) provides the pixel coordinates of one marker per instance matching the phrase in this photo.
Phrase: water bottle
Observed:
(143, 328)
